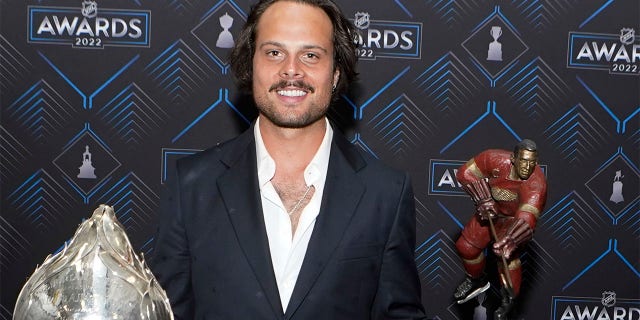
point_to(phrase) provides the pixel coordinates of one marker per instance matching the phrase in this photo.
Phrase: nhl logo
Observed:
(89, 9)
(608, 298)
(627, 35)
(361, 20)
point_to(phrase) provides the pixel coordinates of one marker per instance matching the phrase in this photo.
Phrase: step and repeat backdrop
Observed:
(99, 98)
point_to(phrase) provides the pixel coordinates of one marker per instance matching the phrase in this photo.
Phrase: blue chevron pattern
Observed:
(132, 115)
(5, 314)
(14, 66)
(402, 126)
(13, 245)
(612, 250)
(223, 98)
(438, 264)
(621, 124)
(605, 174)
(543, 14)
(359, 110)
(449, 84)
(147, 247)
(630, 223)
(134, 202)
(491, 110)
(577, 134)
(518, 47)
(180, 6)
(634, 138)
(41, 200)
(178, 71)
(423, 214)
(12, 154)
(538, 264)
(571, 222)
(452, 13)
(41, 111)
(536, 89)
(87, 98)
(88, 187)
(359, 142)
(485, 74)
(209, 22)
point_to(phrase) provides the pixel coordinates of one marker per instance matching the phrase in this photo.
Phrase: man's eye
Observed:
(311, 55)
(273, 53)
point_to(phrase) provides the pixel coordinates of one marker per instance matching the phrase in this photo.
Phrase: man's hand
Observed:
(518, 233)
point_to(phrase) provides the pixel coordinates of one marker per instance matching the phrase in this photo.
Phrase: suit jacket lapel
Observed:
(342, 193)
(241, 194)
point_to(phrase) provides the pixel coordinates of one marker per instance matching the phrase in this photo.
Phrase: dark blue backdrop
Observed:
(146, 82)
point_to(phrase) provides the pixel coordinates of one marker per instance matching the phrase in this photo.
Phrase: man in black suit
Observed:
(289, 220)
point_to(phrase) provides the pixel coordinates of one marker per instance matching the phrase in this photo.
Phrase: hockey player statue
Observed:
(509, 191)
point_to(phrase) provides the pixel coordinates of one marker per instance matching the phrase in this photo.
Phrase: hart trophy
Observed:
(95, 276)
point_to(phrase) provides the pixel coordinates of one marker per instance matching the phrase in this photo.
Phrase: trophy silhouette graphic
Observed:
(495, 47)
(87, 171)
(616, 194)
(225, 38)
(480, 312)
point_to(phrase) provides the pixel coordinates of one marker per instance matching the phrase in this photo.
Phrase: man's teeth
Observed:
(291, 93)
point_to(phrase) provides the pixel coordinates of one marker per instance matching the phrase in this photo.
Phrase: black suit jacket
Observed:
(212, 254)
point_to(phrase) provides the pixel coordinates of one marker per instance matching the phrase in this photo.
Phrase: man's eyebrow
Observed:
(305, 47)
(308, 47)
(271, 43)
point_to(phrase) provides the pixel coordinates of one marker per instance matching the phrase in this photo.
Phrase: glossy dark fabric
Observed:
(212, 257)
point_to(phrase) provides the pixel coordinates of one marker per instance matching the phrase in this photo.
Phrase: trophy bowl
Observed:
(95, 276)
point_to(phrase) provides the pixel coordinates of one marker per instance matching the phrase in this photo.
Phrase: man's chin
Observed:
(293, 123)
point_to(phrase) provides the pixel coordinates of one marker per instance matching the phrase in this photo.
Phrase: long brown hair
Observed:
(344, 45)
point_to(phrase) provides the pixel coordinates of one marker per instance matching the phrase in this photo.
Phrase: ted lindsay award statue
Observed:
(96, 276)
(509, 191)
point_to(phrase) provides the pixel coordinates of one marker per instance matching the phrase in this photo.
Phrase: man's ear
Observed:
(336, 78)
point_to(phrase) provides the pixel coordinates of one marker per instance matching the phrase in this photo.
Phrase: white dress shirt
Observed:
(287, 249)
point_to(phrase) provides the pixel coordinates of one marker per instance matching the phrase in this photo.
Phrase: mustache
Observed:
(296, 84)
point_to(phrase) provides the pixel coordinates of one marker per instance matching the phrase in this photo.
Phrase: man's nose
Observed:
(291, 68)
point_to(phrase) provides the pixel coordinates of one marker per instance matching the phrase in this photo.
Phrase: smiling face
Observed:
(293, 65)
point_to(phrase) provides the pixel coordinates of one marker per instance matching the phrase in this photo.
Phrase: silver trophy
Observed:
(95, 276)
